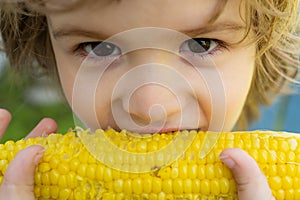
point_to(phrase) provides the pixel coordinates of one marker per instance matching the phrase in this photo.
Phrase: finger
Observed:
(18, 180)
(45, 126)
(251, 183)
(5, 118)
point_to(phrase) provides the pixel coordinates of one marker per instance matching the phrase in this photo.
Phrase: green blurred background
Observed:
(29, 99)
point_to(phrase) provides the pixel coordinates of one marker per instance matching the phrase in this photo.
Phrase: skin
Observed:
(233, 65)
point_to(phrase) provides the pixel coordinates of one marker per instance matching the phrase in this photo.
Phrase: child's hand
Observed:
(19, 177)
(252, 184)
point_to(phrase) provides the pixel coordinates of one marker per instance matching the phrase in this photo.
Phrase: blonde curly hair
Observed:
(26, 41)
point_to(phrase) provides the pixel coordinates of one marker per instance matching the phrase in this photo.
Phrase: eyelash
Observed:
(220, 47)
(81, 53)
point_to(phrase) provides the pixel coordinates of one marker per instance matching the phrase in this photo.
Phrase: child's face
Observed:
(209, 84)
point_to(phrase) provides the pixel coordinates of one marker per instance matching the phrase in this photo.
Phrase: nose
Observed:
(153, 103)
(157, 94)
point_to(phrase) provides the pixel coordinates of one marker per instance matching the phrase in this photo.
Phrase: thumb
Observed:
(251, 183)
(18, 180)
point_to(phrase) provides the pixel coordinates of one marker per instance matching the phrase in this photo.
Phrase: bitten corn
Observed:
(69, 171)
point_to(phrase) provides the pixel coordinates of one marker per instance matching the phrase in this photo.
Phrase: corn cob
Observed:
(70, 168)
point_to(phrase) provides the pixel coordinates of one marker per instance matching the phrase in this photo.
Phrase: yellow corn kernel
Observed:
(289, 194)
(156, 185)
(74, 163)
(63, 168)
(54, 176)
(275, 182)
(297, 194)
(152, 146)
(296, 181)
(64, 194)
(37, 192)
(3, 165)
(45, 179)
(54, 162)
(3, 152)
(54, 191)
(205, 187)
(281, 170)
(196, 186)
(182, 170)
(38, 178)
(280, 194)
(44, 167)
(174, 172)
(167, 186)
(224, 185)
(118, 186)
(141, 147)
(72, 180)
(187, 186)
(147, 185)
(232, 186)
(137, 186)
(209, 171)
(99, 172)
(81, 170)
(215, 187)
(272, 170)
(287, 182)
(62, 181)
(107, 174)
(45, 192)
(91, 171)
(177, 186)
(201, 171)
(192, 170)
(127, 186)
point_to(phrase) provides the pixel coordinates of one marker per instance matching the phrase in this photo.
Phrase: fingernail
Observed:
(38, 156)
(228, 161)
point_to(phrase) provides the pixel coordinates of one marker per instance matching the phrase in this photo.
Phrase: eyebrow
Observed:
(218, 27)
(68, 31)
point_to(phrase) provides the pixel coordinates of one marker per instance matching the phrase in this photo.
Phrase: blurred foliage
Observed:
(26, 115)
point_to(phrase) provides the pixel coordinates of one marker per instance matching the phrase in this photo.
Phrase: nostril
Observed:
(139, 121)
(155, 113)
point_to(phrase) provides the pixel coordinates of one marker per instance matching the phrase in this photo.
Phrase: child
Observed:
(151, 66)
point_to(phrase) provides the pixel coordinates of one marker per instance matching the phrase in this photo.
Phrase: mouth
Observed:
(166, 130)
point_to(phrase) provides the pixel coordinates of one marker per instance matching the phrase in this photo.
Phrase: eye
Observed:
(101, 49)
(199, 45)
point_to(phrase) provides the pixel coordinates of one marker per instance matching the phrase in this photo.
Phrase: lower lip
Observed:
(165, 130)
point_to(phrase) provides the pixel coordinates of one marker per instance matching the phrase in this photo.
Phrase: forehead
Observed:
(116, 16)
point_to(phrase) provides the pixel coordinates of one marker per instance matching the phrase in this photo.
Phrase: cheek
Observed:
(76, 88)
(222, 86)
(67, 72)
(103, 98)
(237, 75)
